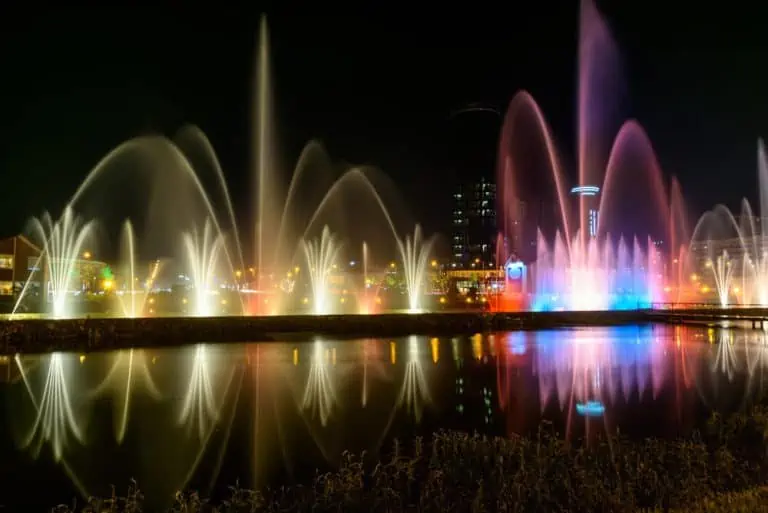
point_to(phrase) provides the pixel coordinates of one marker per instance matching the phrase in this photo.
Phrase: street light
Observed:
(87, 255)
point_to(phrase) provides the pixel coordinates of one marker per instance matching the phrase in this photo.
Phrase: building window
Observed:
(33, 263)
(6, 288)
(6, 261)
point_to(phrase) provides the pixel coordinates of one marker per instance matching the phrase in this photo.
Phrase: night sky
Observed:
(376, 87)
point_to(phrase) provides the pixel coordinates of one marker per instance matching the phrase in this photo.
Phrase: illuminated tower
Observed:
(588, 197)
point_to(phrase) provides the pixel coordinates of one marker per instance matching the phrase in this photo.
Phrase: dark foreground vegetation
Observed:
(723, 467)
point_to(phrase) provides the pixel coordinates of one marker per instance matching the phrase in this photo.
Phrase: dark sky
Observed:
(375, 87)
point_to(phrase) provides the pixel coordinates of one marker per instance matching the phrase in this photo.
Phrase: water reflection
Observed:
(272, 413)
(129, 369)
(55, 421)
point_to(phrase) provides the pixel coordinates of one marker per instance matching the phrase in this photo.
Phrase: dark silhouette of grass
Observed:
(458, 472)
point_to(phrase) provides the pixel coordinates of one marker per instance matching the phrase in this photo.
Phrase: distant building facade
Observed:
(474, 231)
(470, 162)
(19, 263)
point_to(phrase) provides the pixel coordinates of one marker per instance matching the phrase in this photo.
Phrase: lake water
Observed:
(207, 416)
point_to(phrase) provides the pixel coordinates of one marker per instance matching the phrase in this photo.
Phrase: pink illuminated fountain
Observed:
(610, 240)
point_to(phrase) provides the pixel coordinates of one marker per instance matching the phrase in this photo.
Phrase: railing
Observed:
(705, 306)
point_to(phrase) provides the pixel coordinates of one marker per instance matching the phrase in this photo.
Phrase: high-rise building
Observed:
(473, 238)
(469, 153)
(588, 195)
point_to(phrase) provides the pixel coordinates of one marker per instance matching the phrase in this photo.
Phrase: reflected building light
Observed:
(455, 349)
(590, 409)
(128, 368)
(55, 421)
(393, 352)
(488, 405)
(477, 346)
(295, 356)
(319, 393)
(199, 405)
(434, 346)
(460, 395)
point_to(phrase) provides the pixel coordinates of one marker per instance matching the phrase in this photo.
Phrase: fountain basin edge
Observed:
(32, 336)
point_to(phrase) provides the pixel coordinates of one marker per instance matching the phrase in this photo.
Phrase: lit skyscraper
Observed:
(589, 195)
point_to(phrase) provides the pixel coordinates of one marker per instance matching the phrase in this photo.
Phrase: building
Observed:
(589, 216)
(470, 153)
(474, 232)
(19, 263)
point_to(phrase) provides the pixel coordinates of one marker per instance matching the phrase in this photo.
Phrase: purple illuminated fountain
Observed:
(603, 242)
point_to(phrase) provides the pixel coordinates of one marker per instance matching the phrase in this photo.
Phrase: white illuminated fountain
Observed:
(202, 255)
(735, 247)
(136, 290)
(147, 170)
(320, 256)
(415, 255)
(62, 247)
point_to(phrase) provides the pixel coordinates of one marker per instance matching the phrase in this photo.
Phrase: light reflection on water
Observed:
(271, 413)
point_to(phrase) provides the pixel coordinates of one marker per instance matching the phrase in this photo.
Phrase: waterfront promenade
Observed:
(94, 334)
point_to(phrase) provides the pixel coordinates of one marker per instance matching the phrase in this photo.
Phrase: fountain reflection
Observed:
(414, 393)
(319, 393)
(55, 422)
(136, 405)
(128, 368)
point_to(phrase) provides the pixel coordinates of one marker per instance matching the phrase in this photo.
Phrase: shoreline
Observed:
(31, 336)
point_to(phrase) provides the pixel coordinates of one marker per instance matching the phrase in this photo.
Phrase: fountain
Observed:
(150, 168)
(592, 262)
(320, 256)
(598, 249)
(62, 247)
(202, 255)
(415, 255)
(733, 249)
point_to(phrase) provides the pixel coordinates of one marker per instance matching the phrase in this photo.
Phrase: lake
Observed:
(208, 416)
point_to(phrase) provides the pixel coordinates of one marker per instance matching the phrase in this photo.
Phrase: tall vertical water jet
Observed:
(414, 253)
(320, 256)
(597, 87)
(262, 156)
(136, 290)
(202, 252)
(62, 247)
